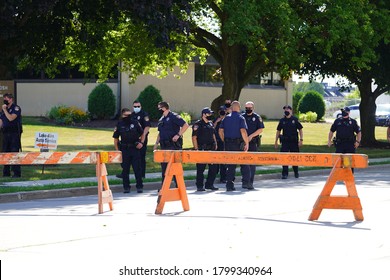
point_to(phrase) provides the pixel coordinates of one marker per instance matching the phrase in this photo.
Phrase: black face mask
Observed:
(210, 118)
(227, 105)
(344, 113)
(6, 102)
(126, 119)
(161, 111)
(249, 111)
(286, 113)
(222, 113)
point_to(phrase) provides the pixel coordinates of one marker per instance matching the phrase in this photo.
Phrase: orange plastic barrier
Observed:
(342, 171)
(98, 158)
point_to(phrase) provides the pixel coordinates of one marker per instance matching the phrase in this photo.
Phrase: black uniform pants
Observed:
(346, 148)
(211, 175)
(221, 167)
(231, 168)
(167, 145)
(289, 147)
(131, 157)
(143, 157)
(252, 168)
(11, 143)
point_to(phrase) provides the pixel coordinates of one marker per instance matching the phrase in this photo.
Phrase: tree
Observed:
(356, 45)
(312, 101)
(307, 86)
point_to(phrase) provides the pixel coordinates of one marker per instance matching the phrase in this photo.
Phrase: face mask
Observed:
(286, 113)
(344, 113)
(227, 105)
(222, 113)
(137, 110)
(161, 111)
(210, 118)
(126, 119)
(6, 102)
(249, 111)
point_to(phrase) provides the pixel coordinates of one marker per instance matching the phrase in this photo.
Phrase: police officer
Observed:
(220, 144)
(290, 126)
(233, 131)
(11, 124)
(255, 128)
(171, 128)
(143, 118)
(348, 133)
(203, 139)
(131, 137)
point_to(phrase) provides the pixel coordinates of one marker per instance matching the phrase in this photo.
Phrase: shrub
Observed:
(297, 96)
(312, 101)
(149, 99)
(67, 115)
(186, 117)
(101, 102)
(308, 117)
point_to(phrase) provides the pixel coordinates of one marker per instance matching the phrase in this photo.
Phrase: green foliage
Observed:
(354, 94)
(297, 96)
(149, 99)
(308, 117)
(308, 86)
(312, 101)
(186, 116)
(101, 102)
(67, 115)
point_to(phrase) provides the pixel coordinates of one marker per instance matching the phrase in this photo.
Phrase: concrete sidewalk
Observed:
(65, 238)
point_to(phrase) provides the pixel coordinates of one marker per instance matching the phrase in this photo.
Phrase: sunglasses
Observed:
(136, 106)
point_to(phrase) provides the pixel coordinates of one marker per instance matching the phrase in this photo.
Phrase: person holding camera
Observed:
(203, 139)
(130, 144)
(287, 132)
(171, 128)
(11, 126)
(233, 132)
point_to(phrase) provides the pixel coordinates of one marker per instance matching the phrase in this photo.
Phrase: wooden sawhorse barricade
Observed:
(341, 164)
(98, 158)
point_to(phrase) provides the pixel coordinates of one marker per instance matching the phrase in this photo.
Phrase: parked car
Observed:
(382, 115)
(354, 113)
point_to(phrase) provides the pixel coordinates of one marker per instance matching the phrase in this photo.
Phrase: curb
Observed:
(83, 191)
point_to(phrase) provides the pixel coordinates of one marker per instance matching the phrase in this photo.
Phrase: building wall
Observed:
(36, 98)
(183, 95)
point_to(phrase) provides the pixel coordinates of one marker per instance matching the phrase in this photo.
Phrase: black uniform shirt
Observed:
(345, 128)
(128, 130)
(290, 126)
(142, 117)
(254, 122)
(169, 126)
(15, 125)
(204, 132)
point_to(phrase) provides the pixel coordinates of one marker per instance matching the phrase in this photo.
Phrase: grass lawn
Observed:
(100, 139)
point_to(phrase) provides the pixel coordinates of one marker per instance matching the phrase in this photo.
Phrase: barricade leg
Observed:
(326, 201)
(104, 192)
(179, 193)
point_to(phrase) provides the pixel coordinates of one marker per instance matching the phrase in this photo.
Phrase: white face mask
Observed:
(137, 110)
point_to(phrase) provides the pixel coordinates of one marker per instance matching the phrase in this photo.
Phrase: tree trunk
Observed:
(367, 113)
(233, 70)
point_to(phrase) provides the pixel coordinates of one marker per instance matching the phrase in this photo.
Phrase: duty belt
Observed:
(233, 140)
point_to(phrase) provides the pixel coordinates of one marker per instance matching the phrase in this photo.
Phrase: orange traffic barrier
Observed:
(341, 164)
(98, 158)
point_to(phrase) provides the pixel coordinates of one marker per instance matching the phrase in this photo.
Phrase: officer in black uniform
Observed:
(290, 126)
(203, 139)
(171, 128)
(348, 134)
(220, 144)
(233, 131)
(11, 124)
(131, 135)
(255, 128)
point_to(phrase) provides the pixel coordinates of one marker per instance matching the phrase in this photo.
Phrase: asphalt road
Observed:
(248, 232)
